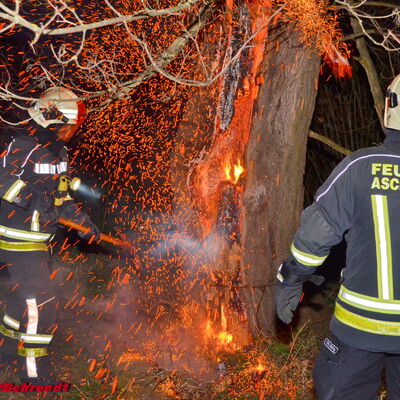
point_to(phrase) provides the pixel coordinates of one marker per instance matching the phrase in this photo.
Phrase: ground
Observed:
(101, 349)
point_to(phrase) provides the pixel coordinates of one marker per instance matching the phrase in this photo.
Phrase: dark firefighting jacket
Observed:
(360, 201)
(32, 169)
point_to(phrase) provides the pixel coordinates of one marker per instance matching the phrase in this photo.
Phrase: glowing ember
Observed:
(260, 368)
(228, 171)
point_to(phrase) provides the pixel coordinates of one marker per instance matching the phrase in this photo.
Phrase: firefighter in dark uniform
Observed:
(360, 202)
(31, 169)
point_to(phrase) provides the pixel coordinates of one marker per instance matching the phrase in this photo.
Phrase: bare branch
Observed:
(366, 62)
(389, 38)
(379, 4)
(16, 19)
(329, 142)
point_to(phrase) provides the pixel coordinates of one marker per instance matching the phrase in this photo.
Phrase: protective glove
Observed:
(94, 230)
(287, 299)
(49, 213)
(69, 210)
(289, 290)
(24, 198)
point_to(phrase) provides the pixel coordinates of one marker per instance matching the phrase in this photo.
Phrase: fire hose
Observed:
(84, 229)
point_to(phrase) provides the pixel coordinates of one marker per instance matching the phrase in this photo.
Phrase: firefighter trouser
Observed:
(28, 324)
(342, 372)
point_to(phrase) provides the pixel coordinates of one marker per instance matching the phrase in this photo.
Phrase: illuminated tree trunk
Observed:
(275, 160)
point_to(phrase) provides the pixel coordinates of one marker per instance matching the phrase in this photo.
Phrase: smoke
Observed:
(149, 306)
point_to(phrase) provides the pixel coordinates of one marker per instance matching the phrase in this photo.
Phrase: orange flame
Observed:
(233, 176)
(237, 171)
(225, 338)
(260, 368)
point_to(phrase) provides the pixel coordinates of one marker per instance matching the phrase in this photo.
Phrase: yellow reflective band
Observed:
(23, 235)
(14, 190)
(307, 258)
(9, 333)
(35, 221)
(369, 303)
(37, 352)
(11, 321)
(383, 246)
(22, 246)
(366, 324)
(36, 338)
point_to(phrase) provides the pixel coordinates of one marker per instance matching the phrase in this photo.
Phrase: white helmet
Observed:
(59, 106)
(391, 118)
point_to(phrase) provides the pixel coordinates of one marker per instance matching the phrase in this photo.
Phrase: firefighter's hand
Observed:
(48, 212)
(93, 234)
(287, 299)
(24, 198)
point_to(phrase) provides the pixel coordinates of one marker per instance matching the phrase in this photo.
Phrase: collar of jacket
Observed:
(392, 140)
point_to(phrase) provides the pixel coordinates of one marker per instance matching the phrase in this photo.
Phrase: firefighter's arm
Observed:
(12, 188)
(322, 226)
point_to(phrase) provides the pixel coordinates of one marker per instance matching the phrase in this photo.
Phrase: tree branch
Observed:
(354, 36)
(15, 18)
(380, 4)
(329, 142)
(366, 62)
(164, 59)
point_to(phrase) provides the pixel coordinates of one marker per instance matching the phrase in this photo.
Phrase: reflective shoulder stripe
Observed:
(8, 150)
(365, 324)
(348, 166)
(306, 258)
(38, 352)
(22, 246)
(29, 155)
(11, 321)
(14, 190)
(23, 235)
(369, 303)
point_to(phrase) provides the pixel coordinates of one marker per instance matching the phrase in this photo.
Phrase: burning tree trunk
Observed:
(211, 141)
(213, 136)
(275, 160)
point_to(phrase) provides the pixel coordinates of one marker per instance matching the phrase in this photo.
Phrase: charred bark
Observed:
(275, 160)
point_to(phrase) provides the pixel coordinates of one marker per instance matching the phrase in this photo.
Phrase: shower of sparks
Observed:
(161, 303)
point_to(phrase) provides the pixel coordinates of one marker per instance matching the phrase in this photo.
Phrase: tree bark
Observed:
(275, 159)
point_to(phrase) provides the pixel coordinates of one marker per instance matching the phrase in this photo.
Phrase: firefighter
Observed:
(359, 202)
(31, 169)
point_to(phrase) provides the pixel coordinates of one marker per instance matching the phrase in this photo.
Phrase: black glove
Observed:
(69, 210)
(289, 289)
(287, 299)
(49, 213)
(24, 198)
(94, 230)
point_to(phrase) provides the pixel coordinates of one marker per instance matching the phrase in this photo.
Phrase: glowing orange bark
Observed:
(229, 144)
